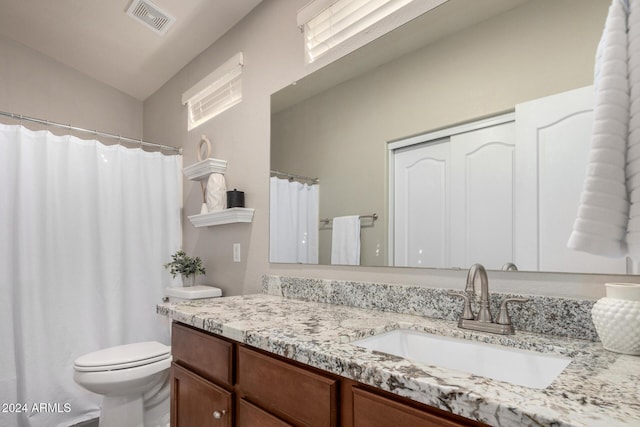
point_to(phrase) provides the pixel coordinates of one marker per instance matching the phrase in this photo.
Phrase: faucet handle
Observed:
(466, 310)
(503, 316)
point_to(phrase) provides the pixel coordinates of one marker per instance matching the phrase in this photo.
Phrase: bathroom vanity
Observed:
(270, 360)
(216, 381)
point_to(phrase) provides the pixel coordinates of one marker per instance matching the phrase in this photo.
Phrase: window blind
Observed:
(219, 91)
(327, 23)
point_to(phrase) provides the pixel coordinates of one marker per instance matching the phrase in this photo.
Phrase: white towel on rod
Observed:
(345, 240)
(608, 220)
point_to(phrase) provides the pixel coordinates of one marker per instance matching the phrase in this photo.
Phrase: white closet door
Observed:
(421, 206)
(553, 135)
(482, 180)
(453, 200)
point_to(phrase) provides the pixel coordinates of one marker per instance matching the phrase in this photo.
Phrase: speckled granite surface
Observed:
(565, 317)
(598, 388)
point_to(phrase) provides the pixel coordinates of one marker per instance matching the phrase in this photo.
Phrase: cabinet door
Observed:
(372, 410)
(249, 415)
(292, 393)
(198, 402)
(208, 356)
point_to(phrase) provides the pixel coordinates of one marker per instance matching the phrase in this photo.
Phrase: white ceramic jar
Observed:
(617, 318)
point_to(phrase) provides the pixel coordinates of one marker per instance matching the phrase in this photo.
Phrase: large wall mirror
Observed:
(465, 69)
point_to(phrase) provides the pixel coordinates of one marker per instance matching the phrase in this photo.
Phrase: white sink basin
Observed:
(515, 366)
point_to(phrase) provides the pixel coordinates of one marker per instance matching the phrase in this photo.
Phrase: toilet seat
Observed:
(123, 357)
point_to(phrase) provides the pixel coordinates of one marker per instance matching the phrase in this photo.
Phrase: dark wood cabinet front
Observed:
(206, 355)
(373, 410)
(218, 382)
(293, 393)
(249, 415)
(197, 402)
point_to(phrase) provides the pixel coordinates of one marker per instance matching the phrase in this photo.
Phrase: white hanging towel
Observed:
(608, 220)
(345, 241)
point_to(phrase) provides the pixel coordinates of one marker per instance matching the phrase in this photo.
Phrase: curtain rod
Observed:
(292, 176)
(93, 132)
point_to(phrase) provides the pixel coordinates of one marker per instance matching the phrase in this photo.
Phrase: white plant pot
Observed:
(188, 280)
(617, 318)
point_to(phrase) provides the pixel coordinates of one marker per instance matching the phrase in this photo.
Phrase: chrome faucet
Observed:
(483, 321)
(509, 267)
(477, 270)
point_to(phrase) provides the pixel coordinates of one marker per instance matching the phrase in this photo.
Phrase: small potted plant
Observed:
(186, 266)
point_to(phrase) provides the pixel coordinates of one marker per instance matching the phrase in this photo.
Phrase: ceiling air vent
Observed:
(150, 15)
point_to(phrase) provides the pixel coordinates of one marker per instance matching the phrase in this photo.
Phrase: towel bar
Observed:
(373, 216)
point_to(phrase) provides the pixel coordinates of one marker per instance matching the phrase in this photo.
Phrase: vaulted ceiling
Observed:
(98, 38)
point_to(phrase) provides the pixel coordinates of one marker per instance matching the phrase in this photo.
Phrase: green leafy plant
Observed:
(183, 264)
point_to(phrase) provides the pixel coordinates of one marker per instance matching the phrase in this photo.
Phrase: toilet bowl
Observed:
(133, 380)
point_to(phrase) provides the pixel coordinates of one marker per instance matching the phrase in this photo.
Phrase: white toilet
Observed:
(134, 378)
(190, 293)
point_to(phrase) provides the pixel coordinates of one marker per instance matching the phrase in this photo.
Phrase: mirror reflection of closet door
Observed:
(483, 173)
(554, 137)
(453, 200)
(421, 205)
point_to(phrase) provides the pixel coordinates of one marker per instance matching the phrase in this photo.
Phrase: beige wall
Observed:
(274, 58)
(340, 136)
(268, 37)
(34, 85)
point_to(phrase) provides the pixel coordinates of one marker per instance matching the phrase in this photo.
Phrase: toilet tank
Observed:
(178, 294)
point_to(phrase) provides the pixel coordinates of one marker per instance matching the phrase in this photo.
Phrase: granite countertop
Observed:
(598, 388)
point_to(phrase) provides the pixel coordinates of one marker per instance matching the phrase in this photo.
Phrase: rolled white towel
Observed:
(601, 224)
(603, 214)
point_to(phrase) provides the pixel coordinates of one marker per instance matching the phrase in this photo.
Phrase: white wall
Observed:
(274, 58)
(35, 85)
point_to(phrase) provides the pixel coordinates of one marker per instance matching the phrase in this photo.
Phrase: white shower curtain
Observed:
(84, 231)
(293, 220)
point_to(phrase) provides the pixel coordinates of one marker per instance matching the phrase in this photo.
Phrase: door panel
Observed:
(554, 132)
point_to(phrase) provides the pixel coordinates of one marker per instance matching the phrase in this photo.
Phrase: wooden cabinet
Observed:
(206, 355)
(373, 410)
(198, 402)
(201, 379)
(218, 382)
(250, 415)
(292, 393)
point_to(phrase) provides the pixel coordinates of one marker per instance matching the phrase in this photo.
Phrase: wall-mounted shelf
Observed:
(226, 216)
(201, 170)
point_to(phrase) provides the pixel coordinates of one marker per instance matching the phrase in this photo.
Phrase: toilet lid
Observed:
(123, 356)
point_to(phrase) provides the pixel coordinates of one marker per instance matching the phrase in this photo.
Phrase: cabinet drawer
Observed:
(208, 356)
(372, 410)
(198, 402)
(292, 393)
(249, 415)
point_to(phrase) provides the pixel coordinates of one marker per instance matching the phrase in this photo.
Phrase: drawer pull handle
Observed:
(219, 414)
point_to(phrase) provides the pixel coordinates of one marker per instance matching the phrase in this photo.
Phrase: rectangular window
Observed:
(219, 91)
(327, 23)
